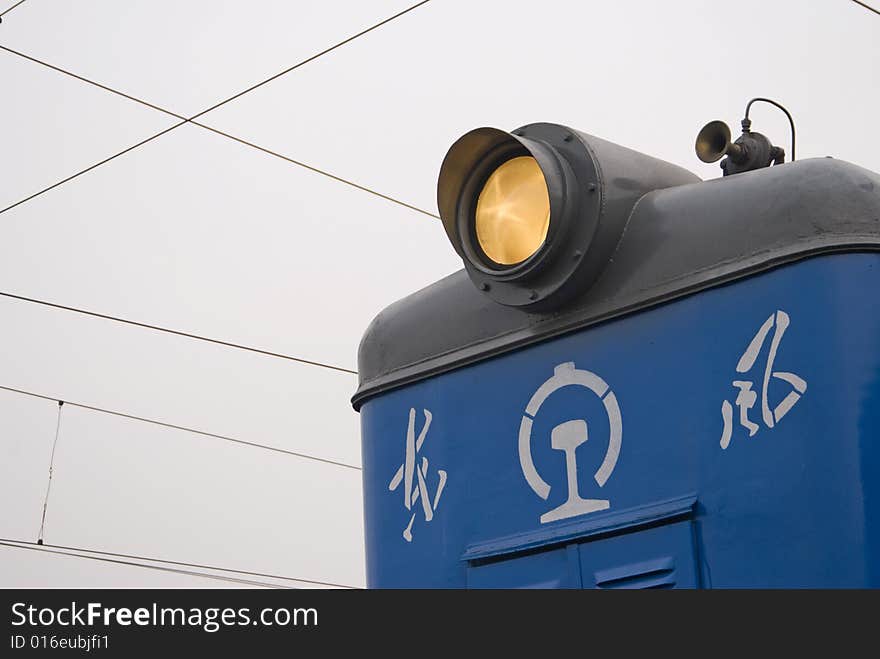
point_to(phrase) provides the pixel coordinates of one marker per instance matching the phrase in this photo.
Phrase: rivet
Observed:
(577, 254)
(591, 187)
(484, 286)
(568, 137)
(533, 295)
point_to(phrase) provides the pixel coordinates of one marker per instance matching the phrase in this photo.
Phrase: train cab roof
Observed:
(676, 241)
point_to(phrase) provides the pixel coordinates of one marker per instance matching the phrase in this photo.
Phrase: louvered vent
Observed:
(657, 573)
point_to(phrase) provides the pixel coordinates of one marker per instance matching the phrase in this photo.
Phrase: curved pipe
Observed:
(778, 105)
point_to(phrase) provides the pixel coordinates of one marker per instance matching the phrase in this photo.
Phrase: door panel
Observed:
(656, 557)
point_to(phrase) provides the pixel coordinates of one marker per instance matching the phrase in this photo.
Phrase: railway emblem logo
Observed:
(414, 475)
(566, 437)
(747, 398)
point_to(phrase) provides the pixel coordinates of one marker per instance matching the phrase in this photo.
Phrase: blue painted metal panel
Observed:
(791, 501)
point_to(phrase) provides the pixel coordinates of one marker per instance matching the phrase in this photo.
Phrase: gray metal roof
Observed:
(677, 241)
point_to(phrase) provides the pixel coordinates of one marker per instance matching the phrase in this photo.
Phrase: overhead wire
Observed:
(311, 59)
(57, 550)
(868, 7)
(91, 82)
(214, 130)
(167, 330)
(43, 548)
(318, 171)
(91, 167)
(23, 544)
(9, 9)
(173, 426)
(192, 121)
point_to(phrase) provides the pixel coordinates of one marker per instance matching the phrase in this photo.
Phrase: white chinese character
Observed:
(747, 398)
(414, 476)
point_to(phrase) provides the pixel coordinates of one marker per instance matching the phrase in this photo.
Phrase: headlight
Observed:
(535, 214)
(513, 211)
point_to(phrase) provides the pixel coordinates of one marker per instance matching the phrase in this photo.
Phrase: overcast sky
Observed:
(200, 233)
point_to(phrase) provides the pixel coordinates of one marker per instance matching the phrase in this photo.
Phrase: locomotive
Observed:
(638, 380)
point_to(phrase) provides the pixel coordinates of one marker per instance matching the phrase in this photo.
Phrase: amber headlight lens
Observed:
(513, 212)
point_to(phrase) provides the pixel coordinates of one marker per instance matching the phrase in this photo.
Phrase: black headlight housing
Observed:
(592, 185)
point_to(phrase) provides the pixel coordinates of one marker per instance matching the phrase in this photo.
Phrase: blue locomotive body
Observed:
(706, 415)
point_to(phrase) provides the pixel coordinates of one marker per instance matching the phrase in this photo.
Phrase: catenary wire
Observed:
(91, 167)
(44, 549)
(11, 8)
(868, 7)
(310, 59)
(51, 472)
(194, 431)
(191, 119)
(167, 330)
(185, 120)
(92, 82)
(171, 562)
(316, 170)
